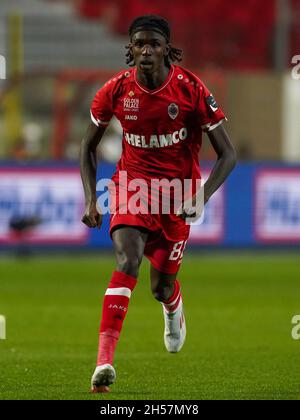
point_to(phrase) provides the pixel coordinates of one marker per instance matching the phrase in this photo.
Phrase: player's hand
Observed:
(185, 214)
(92, 216)
(192, 209)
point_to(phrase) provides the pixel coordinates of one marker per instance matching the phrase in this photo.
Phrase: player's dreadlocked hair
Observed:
(157, 24)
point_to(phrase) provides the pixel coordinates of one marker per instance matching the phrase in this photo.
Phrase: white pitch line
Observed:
(2, 327)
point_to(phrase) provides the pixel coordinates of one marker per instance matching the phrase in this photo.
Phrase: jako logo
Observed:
(2, 67)
(120, 307)
(296, 329)
(296, 69)
(131, 117)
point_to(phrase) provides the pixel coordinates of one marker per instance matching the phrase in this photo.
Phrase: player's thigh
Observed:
(165, 255)
(129, 242)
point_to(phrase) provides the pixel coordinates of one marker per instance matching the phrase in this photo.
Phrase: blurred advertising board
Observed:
(50, 197)
(277, 206)
(258, 206)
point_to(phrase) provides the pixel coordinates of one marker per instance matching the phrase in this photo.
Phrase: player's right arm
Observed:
(88, 169)
(101, 113)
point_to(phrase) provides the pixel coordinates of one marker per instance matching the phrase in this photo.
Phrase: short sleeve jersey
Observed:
(162, 128)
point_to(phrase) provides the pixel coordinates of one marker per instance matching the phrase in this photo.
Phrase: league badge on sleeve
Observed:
(210, 100)
(173, 111)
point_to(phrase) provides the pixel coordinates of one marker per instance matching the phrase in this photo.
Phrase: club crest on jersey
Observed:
(173, 111)
(210, 100)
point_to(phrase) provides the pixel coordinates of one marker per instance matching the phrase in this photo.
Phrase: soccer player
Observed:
(163, 109)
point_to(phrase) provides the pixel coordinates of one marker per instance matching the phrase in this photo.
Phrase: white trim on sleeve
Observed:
(98, 122)
(212, 127)
(209, 127)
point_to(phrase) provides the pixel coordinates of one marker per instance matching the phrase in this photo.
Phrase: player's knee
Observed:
(157, 295)
(161, 292)
(128, 264)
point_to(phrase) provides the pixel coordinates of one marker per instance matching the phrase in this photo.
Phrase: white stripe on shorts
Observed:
(119, 291)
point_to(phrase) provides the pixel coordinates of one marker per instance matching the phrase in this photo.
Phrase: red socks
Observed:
(115, 305)
(173, 302)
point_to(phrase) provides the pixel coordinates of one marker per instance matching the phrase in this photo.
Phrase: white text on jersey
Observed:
(161, 140)
(131, 117)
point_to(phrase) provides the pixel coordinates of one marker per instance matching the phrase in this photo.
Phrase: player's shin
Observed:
(115, 306)
(172, 303)
(175, 329)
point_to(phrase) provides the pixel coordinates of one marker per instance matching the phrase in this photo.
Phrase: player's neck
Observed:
(154, 80)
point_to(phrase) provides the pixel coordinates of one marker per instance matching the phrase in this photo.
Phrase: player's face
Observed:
(149, 50)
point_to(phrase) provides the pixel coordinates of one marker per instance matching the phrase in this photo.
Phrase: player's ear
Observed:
(129, 54)
(167, 49)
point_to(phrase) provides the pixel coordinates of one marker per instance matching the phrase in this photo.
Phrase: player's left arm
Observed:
(225, 163)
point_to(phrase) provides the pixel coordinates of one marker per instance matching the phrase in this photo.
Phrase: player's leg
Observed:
(129, 244)
(162, 284)
(166, 256)
(166, 289)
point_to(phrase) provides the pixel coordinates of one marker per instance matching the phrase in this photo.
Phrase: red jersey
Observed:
(162, 128)
(162, 133)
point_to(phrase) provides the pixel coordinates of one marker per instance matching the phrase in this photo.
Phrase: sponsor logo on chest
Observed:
(131, 104)
(156, 141)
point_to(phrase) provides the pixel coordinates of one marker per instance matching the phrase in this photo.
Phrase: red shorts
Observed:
(164, 253)
(168, 233)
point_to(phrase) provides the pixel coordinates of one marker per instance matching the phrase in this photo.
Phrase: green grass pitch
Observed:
(238, 311)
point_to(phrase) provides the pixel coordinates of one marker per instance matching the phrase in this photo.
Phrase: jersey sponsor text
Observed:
(156, 141)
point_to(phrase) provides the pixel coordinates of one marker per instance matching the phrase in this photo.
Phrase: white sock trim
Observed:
(119, 291)
(169, 305)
